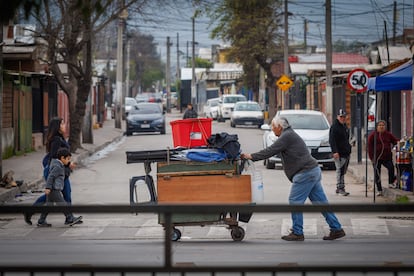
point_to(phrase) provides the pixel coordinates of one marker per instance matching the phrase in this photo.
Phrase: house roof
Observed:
(317, 62)
(396, 53)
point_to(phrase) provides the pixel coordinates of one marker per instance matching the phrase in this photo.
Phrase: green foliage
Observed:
(7, 152)
(402, 199)
(203, 63)
(341, 46)
(251, 27)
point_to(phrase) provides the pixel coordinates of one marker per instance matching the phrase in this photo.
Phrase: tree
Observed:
(251, 27)
(203, 63)
(68, 41)
(147, 67)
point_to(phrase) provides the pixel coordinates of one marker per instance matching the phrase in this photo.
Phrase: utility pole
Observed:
(128, 90)
(168, 76)
(285, 49)
(1, 98)
(193, 88)
(394, 24)
(178, 59)
(328, 34)
(305, 30)
(119, 67)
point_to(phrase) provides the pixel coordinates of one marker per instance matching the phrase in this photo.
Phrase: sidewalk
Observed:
(28, 167)
(361, 171)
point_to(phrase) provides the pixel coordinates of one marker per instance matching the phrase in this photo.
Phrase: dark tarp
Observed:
(400, 78)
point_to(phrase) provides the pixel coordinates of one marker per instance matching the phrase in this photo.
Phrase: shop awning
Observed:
(400, 78)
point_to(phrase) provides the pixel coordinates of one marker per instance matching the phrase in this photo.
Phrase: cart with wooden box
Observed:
(190, 182)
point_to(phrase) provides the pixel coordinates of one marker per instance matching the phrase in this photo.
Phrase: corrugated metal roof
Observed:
(396, 53)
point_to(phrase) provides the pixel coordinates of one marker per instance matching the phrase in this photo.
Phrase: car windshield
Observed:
(233, 99)
(247, 107)
(130, 101)
(146, 109)
(306, 121)
(214, 103)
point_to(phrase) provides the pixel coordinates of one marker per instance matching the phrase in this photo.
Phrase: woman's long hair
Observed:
(54, 130)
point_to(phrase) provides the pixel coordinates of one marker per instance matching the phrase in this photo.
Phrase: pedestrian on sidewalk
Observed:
(55, 140)
(190, 112)
(304, 173)
(341, 150)
(380, 143)
(54, 187)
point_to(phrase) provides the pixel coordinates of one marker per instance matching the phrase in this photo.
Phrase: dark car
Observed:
(145, 117)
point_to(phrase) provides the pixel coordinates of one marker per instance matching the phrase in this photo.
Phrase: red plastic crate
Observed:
(192, 132)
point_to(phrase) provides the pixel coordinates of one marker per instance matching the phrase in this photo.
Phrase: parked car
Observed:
(142, 98)
(247, 113)
(173, 100)
(313, 127)
(129, 103)
(145, 117)
(210, 108)
(226, 105)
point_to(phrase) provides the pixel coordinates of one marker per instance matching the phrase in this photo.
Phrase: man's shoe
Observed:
(392, 185)
(293, 237)
(333, 235)
(342, 192)
(28, 218)
(44, 224)
(74, 221)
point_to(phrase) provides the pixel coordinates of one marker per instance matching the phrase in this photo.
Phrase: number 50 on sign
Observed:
(358, 80)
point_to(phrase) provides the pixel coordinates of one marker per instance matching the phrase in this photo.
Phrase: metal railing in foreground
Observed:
(167, 210)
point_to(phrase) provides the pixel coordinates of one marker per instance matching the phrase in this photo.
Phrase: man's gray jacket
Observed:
(293, 152)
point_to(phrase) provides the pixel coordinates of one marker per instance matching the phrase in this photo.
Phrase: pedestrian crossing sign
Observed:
(284, 82)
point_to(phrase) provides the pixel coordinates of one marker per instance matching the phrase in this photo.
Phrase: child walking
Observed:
(54, 187)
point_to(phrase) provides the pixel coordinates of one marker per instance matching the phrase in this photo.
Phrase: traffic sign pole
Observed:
(358, 81)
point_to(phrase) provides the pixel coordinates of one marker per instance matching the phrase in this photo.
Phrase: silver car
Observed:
(313, 127)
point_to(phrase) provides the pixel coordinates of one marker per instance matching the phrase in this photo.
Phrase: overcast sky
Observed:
(361, 20)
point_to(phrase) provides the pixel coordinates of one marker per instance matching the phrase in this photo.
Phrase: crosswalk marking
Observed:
(142, 227)
(309, 226)
(369, 226)
(150, 228)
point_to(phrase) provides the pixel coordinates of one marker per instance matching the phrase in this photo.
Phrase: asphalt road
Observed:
(125, 239)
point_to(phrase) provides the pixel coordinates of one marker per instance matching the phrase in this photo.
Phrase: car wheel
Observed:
(270, 165)
(128, 133)
(163, 130)
(232, 124)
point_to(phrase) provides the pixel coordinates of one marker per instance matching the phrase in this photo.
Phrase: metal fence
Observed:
(167, 210)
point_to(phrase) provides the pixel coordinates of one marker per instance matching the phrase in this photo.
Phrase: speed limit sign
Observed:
(358, 80)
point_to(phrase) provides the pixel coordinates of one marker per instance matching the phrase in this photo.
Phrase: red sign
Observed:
(358, 80)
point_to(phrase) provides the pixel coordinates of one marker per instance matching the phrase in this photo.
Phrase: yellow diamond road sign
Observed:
(284, 83)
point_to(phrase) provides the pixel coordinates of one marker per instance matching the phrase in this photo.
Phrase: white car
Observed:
(210, 109)
(129, 103)
(226, 105)
(247, 113)
(313, 127)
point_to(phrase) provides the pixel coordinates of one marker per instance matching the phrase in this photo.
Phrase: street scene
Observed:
(263, 137)
(367, 233)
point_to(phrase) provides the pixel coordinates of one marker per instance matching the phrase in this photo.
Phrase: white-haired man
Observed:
(304, 173)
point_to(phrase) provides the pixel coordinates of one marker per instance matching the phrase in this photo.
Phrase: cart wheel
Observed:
(237, 233)
(176, 234)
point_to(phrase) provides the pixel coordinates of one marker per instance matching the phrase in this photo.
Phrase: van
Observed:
(226, 105)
